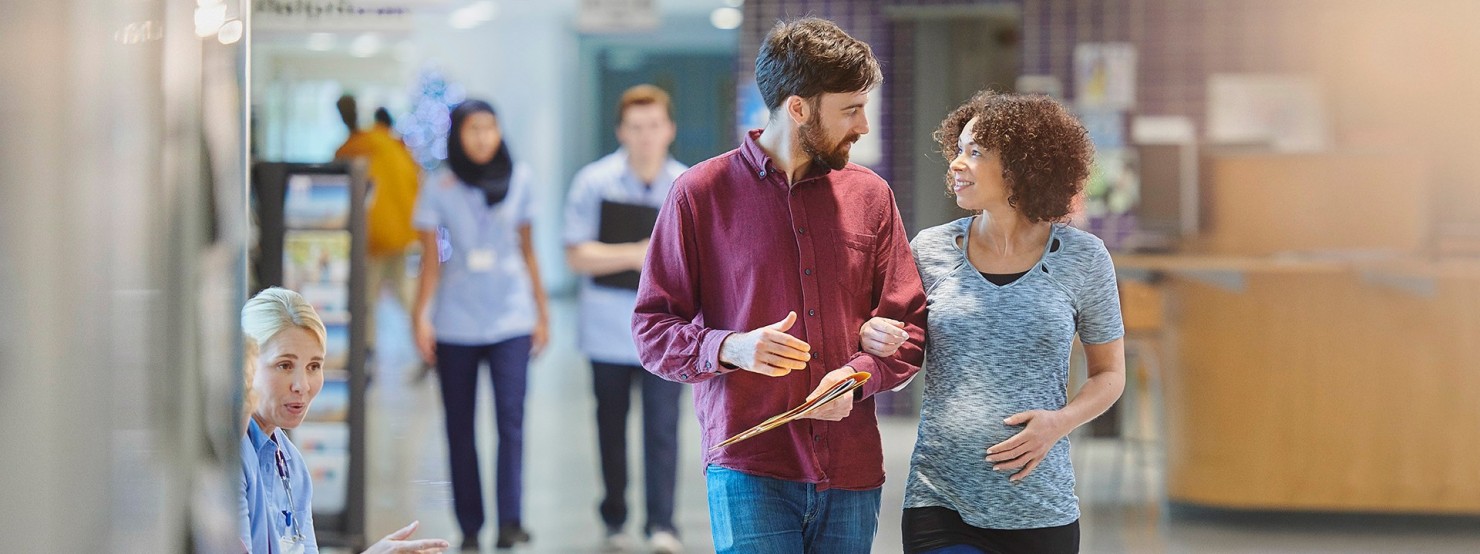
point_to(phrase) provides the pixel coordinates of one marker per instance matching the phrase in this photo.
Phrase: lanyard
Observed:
(290, 523)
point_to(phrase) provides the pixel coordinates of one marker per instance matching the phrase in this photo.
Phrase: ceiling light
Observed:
(321, 42)
(365, 45)
(473, 15)
(726, 18)
(208, 19)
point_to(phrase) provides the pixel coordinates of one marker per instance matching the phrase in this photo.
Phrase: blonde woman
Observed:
(276, 491)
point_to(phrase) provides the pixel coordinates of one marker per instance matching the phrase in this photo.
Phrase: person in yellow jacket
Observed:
(393, 176)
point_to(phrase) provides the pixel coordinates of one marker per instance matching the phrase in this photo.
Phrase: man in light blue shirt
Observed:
(633, 180)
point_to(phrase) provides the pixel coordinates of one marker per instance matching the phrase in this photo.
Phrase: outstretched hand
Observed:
(398, 543)
(767, 350)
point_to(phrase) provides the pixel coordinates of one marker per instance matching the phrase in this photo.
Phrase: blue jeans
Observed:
(457, 371)
(760, 515)
(660, 403)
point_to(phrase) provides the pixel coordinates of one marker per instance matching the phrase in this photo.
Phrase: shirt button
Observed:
(807, 271)
(802, 230)
(763, 174)
(683, 376)
(817, 438)
(812, 313)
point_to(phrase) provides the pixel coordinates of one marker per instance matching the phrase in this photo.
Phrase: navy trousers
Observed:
(457, 372)
(613, 384)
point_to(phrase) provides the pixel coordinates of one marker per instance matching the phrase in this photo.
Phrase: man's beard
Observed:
(813, 140)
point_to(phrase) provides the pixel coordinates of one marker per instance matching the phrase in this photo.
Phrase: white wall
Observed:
(122, 219)
(526, 62)
(518, 62)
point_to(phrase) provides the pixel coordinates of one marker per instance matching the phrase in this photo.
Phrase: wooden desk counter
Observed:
(1319, 384)
(1294, 263)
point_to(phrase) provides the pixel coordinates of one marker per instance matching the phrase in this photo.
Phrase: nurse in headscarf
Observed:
(480, 303)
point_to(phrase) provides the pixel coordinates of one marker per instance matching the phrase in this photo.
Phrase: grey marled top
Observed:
(993, 351)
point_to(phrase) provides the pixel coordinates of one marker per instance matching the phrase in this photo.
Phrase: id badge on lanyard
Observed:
(292, 540)
(292, 545)
(481, 260)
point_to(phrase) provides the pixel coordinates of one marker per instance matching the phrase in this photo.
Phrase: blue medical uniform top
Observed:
(606, 312)
(479, 305)
(263, 498)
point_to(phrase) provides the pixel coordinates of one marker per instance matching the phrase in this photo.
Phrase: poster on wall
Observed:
(1105, 75)
(316, 264)
(1282, 112)
(1107, 207)
(1112, 187)
(317, 201)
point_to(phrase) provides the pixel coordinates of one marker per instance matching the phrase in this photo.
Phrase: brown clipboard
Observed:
(846, 386)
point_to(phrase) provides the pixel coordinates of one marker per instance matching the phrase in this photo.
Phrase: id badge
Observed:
(292, 545)
(292, 540)
(480, 260)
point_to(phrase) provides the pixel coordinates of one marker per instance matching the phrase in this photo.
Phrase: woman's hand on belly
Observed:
(1025, 450)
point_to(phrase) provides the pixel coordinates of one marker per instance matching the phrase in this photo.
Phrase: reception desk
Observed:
(1343, 378)
(1319, 384)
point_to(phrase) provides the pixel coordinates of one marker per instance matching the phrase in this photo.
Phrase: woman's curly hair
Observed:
(1046, 153)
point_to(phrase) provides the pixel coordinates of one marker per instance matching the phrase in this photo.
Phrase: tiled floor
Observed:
(1120, 484)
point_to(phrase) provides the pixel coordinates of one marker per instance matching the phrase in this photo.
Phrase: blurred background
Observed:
(1290, 190)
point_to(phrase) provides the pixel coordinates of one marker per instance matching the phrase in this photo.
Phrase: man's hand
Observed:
(841, 406)
(767, 350)
(881, 336)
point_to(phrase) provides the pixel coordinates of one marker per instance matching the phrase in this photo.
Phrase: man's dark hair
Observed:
(347, 111)
(383, 117)
(810, 56)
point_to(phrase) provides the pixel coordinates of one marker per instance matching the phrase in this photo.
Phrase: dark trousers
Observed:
(457, 372)
(660, 398)
(937, 530)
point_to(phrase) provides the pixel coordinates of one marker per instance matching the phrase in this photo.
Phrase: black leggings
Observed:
(932, 528)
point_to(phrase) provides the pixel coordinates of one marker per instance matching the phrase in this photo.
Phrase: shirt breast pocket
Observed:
(856, 261)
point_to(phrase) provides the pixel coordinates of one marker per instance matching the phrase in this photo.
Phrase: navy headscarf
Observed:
(492, 177)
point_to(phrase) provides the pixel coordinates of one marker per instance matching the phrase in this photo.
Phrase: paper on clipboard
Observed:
(843, 387)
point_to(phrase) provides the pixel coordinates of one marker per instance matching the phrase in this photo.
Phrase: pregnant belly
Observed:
(966, 426)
